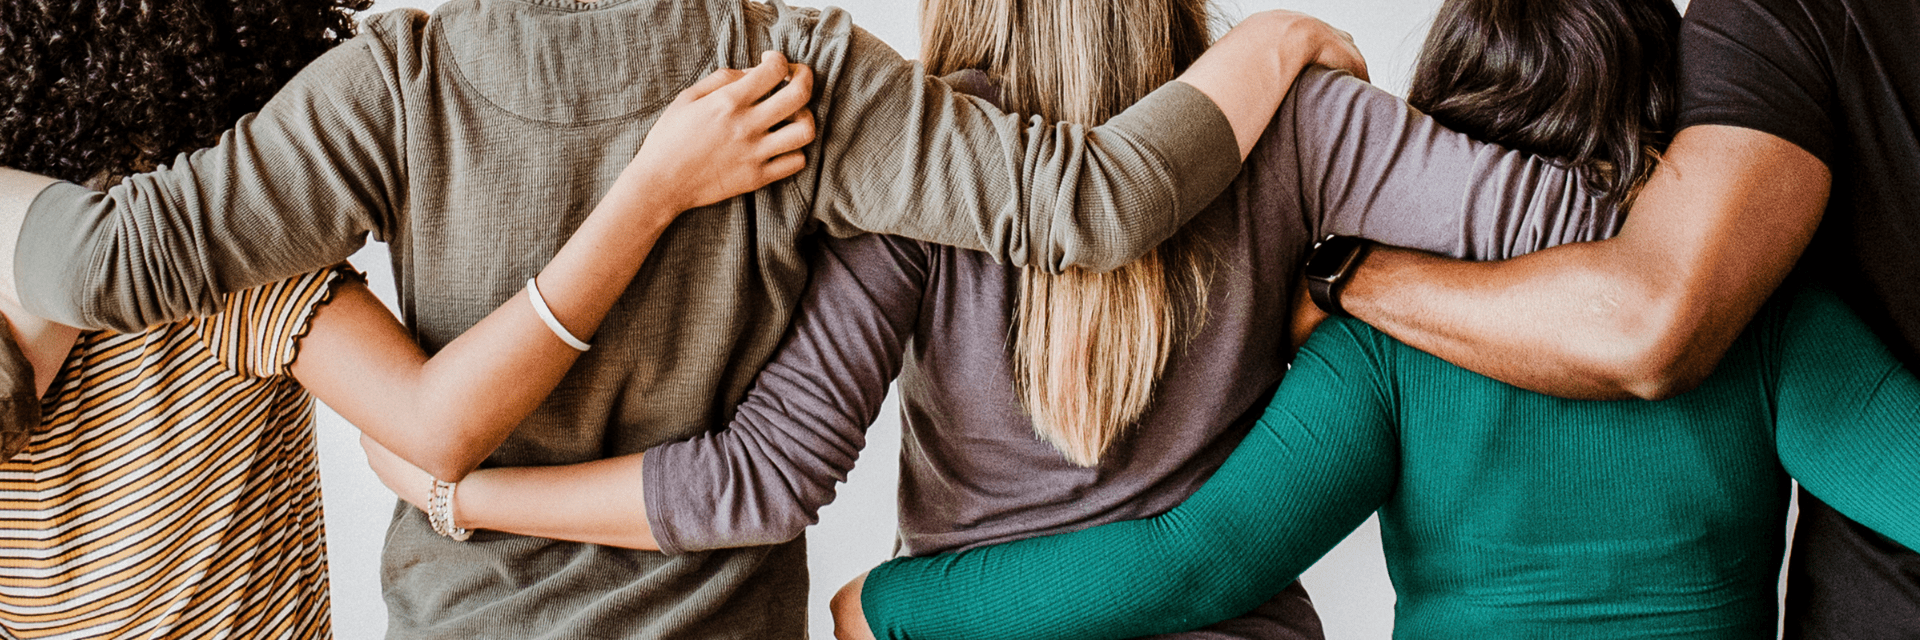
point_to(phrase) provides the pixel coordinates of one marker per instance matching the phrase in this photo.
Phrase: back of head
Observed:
(102, 88)
(1590, 82)
(1089, 347)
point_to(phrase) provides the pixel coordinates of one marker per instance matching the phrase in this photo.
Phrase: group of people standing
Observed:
(1169, 316)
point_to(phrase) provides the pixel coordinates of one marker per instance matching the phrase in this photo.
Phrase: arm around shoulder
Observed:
(904, 154)
(1646, 314)
(288, 191)
(1319, 461)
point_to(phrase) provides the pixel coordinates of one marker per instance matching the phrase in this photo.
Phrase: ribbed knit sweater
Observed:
(1504, 512)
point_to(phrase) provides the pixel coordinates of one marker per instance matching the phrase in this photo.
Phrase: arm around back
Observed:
(1322, 459)
(798, 433)
(1848, 417)
(1360, 162)
(1645, 314)
(1733, 204)
(760, 481)
(290, 190)
(447, 413)
(904, 154)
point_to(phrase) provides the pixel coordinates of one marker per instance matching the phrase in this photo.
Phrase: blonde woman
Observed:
(1037, 404)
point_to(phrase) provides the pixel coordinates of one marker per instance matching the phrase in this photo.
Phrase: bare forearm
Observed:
(448, 413)
(724, 136)
(1645, 314)
(596, 502)
(1250, 70)
(494, 375)
(1547, 322)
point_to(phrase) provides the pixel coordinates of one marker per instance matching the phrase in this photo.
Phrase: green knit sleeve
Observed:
(1322, 458)
(1848, 425)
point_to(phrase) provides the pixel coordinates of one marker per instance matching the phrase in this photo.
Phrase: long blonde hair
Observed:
(1089, 347)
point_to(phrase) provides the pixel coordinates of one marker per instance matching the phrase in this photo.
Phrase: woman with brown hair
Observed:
(1137, 383)
(1504, 513)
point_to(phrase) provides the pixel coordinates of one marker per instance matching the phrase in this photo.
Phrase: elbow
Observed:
(783, 535)
(788, 518)
(446, 462)
(766, 532)
(1098, 251)
(1657, 351)
(789, 527)
(448, 470)
(1659, 376)
(755, 526)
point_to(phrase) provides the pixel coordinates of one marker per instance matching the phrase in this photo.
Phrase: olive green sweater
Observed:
(474, 141)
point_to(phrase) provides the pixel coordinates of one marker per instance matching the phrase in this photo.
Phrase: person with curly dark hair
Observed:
(153, 78)
(171, 489)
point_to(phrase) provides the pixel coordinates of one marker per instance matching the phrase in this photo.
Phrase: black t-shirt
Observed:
(1841, 79)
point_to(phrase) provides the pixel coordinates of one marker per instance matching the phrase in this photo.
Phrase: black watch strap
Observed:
(1330, 266)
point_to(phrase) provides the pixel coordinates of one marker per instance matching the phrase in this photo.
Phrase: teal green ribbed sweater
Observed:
(1504, 513)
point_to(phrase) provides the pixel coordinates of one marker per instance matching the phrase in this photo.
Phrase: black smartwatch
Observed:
(1331, 264)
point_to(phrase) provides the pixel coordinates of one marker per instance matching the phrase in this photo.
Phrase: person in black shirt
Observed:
(1797, 144)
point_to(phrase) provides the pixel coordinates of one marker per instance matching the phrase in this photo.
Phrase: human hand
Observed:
(1251, 70)
(849, 619)
(404, 479)
(720, 138)
(1307, 38)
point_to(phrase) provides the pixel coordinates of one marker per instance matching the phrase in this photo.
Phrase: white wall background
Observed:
(856, 532)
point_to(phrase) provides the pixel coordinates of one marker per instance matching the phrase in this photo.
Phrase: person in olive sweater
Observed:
(1341, 157)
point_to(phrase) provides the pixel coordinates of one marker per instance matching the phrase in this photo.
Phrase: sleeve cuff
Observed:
(1193, 137)
(57, 228)
(654, 501)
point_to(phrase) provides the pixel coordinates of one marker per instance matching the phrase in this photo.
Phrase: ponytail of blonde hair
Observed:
(1089, 347)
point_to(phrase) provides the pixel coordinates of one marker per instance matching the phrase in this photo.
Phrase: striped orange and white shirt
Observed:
(173, 490)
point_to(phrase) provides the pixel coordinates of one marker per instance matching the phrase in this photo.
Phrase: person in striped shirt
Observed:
(170, 488)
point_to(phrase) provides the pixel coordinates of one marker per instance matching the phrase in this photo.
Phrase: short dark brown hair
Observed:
(1592, 83)
(108, 87)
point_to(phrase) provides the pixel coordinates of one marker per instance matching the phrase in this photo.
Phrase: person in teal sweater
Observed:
(1511, 513)
(1505, 512)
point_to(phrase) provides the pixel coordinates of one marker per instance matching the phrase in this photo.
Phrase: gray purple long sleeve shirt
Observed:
(1341, 157)
(475, 141)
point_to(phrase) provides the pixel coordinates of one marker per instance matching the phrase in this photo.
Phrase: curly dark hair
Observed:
(110, 87)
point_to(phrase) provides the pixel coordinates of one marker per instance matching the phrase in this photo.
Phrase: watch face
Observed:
(1327, 261)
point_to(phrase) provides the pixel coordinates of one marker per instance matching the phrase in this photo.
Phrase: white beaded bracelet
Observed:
(440, 512)
(546, 315)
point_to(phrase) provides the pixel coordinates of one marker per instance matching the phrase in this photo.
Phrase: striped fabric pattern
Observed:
(174, 489)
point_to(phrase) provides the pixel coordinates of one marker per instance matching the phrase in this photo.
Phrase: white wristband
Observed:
(546, 315)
